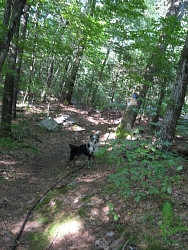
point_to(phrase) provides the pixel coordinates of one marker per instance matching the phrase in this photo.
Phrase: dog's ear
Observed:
(71, 146)
(98, 133)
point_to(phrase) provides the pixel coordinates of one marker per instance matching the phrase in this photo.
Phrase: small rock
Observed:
(110, 234)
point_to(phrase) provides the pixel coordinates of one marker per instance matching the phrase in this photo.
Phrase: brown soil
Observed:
(26, 177)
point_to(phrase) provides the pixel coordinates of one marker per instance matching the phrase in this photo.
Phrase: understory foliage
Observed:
(171, 224)
(142, 169)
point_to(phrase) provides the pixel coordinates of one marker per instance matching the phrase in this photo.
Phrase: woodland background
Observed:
(89, 58)
(96, 53)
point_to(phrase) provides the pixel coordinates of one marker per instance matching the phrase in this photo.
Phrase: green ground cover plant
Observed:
(142, 169)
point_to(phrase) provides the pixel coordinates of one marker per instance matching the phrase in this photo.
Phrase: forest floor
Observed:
(76, 213)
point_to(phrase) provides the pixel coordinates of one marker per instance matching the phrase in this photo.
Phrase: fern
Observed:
(167, 213)
(168, 219)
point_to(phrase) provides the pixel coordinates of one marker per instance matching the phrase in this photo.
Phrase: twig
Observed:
(125, 245)
(6, 170)
(107, 139)
(37, 139)
(5, 199)
(52, 242)
(30, 211)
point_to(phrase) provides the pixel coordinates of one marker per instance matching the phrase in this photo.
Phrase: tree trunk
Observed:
(70, 81)
(14, 11)
(129, 114)
(8, 94)
(155, 118)
(45, 91)
(99, 78)
(62, 84)
(19, 55)
(177, 98)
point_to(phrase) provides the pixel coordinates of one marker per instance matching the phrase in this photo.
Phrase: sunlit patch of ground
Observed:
(62, 229)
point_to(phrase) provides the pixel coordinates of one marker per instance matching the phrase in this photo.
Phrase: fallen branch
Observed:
(124, 247)
(37, 139)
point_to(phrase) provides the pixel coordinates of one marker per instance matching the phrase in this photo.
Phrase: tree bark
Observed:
(8, 93)
(127, 122)
(177, 98)
(21, 37)
(70, 80)
(155, 118)
(12, 26)
(12, 16)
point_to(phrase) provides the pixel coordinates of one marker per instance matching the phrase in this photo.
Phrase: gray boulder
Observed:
(49, 124)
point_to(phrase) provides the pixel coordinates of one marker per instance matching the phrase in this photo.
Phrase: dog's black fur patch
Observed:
(76, 151)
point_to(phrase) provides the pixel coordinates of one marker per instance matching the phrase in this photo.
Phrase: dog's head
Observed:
(94, 138)
(72, 146)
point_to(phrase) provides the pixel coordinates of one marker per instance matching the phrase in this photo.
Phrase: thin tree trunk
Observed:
(50, 70)
(19, 56)
(13, 69)
(88, 98)
(62, 84)
(177, 98)
(70, 81)
(155, 117)
(99, 78)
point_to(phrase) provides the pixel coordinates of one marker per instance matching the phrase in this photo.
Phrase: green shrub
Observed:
(142, 169)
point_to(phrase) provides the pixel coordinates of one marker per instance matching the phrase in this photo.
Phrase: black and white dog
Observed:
(87, 149)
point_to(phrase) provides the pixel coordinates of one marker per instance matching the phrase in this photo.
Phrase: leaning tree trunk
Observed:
(71, 78)
(177, 98)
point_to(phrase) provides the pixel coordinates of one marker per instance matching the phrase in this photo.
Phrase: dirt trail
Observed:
(29, 176)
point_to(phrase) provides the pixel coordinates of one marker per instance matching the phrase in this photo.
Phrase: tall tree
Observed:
(176, 102)
(100, 75)
(20, 39)
(71, 77)
(12, 22)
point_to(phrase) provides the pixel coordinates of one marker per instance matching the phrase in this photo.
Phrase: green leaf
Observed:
(169, 190)
(116, 217)
(110, 205)
(179, 168)
(137, 198)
